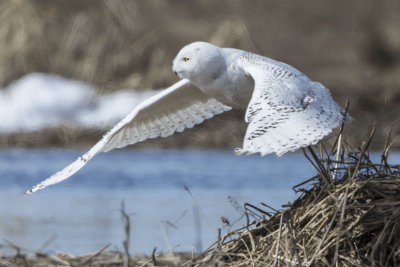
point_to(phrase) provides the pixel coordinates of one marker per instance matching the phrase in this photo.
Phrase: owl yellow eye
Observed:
(185, 59)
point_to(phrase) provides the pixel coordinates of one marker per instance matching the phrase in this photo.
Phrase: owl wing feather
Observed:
(172, 110)
(287, 110)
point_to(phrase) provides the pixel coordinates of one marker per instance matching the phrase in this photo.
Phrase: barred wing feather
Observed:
(172, 110)
(287, 110)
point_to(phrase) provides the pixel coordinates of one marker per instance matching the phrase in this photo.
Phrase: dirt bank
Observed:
(352, 48)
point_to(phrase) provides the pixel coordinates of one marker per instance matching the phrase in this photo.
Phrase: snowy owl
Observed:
(285, 110)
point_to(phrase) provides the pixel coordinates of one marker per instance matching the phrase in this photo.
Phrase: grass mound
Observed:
(102, 258)
(348, 216)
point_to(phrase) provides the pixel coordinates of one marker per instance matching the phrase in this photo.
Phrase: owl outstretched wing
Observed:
(172, 110)
(287, 110)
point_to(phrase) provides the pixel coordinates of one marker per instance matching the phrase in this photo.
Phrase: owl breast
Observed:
(231, 87)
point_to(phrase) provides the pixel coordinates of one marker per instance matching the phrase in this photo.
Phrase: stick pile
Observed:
(348, 216)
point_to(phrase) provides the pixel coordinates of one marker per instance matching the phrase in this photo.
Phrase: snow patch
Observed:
(38, 101)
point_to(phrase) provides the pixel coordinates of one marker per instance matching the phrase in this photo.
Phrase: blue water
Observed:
(152, 169)
(81, 214)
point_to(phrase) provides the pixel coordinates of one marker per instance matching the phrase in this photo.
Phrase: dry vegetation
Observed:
(347, 215)
(353, 49)
(101, 258)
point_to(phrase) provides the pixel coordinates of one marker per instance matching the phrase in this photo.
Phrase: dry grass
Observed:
(101, 258)
(352, 220)
(352, 49)
(347, 215)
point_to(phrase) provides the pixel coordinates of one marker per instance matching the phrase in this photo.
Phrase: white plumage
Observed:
(285, 109)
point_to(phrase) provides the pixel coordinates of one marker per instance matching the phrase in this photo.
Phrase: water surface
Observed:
(82, 214)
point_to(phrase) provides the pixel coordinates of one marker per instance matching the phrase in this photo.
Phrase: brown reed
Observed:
(347, 215)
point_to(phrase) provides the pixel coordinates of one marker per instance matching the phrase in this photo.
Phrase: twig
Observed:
(296, 251)
(279, 240)
(17, 248)
(153, 256)
(127, 228)
(339, 143)
(47, 243)
(325, 235)
(341, 126)
(257, 209)
(199, 207)
(170, 249)
(335, 257)
(96, 254)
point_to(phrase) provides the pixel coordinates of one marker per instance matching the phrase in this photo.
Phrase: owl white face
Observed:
(199, 62)
(186, 61)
